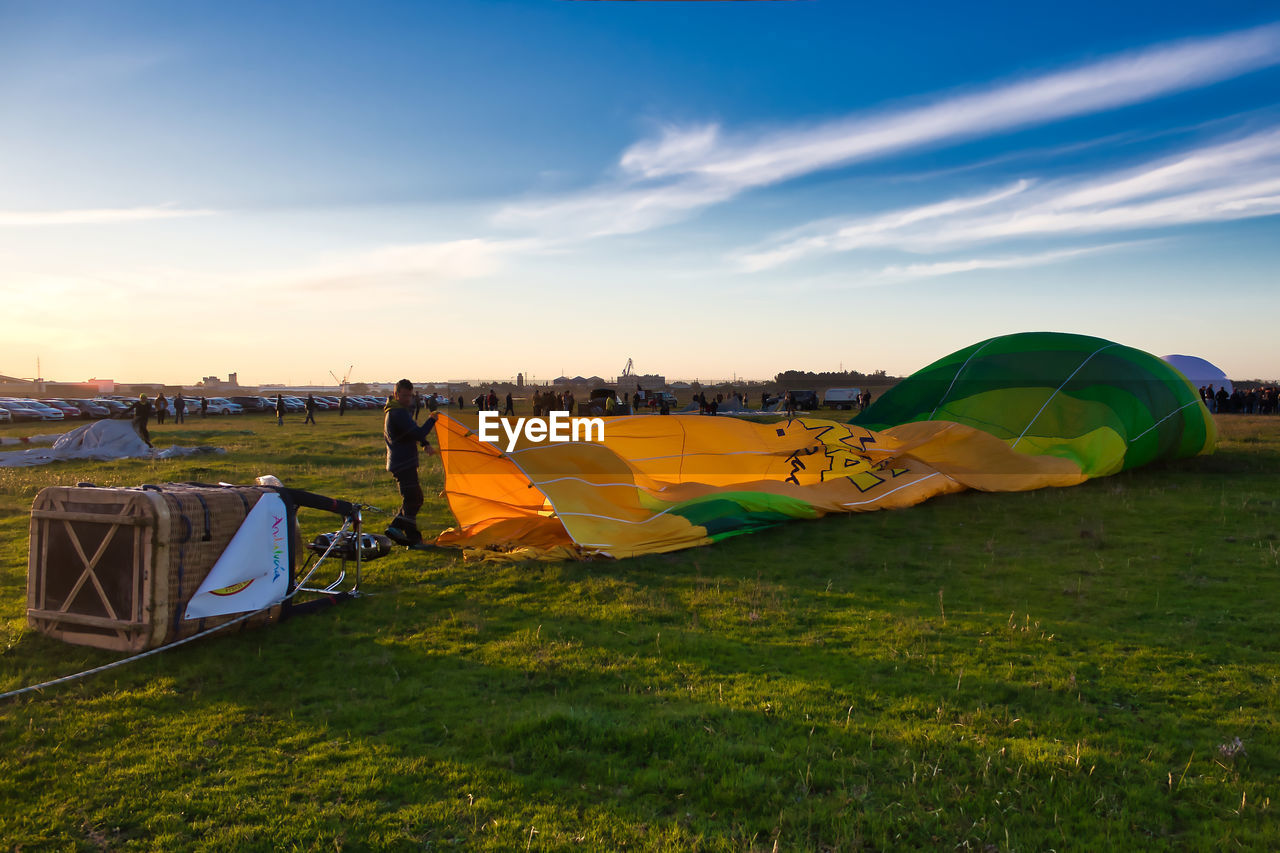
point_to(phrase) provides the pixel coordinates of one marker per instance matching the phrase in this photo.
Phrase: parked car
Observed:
(255, 404)
(654, 399)
(805, 399)
(596, 405)
(6, 417)
(50, 413)
(90, 409)
(223, 406)
(19, 412)
(841, 398)
(117, 408)
(293, 404)
(68, 410)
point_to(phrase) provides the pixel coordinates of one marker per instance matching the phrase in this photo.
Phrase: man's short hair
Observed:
(404, 385)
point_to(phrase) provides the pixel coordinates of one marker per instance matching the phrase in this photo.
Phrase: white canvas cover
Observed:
(253, 571)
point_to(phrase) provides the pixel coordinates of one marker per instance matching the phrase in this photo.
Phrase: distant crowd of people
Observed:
(1260, 401)
(546, 401)
(490, 402)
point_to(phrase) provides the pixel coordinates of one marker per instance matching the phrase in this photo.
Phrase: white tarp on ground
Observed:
(101, 441)
(29, 440)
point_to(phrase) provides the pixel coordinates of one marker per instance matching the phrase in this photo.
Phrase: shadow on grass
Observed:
(1047, 669)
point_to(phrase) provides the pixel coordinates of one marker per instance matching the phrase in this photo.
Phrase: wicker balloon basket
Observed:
(115, 568)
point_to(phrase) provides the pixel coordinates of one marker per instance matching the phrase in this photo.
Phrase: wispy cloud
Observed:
(373, 273)
(616, 209)
(98, 216)
(1229, 180)
(1003, 262)
(686, 169)
(416, 263)
(828, 236)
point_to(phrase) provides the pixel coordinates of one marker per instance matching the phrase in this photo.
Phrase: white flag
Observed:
(253, 571)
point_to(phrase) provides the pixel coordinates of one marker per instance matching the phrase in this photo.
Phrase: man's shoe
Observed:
(398, 536)
(404, 531)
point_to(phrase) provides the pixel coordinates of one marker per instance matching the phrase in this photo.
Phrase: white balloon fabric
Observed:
(1200, 371)
(101, 440)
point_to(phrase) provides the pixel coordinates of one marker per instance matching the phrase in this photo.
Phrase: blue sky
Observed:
(471, 189)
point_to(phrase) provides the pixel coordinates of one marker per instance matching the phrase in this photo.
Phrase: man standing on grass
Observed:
(311, 410)
(279, 410)
(403, 436)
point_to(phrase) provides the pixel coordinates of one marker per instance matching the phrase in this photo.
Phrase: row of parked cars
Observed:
(297, 404)
(65, 408)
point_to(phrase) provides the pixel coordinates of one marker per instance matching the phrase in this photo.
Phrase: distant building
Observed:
(89, 388)
(12, 386)
(213, 382)
(650, 381)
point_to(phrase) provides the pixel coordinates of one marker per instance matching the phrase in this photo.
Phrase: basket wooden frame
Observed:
(171, 537)
(132, 630)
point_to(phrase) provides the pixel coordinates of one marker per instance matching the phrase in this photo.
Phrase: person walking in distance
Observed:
(141, 414)
(311, 410)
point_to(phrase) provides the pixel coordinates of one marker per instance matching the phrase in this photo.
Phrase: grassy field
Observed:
(1089, 669)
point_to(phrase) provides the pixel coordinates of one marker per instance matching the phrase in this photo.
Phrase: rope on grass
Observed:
(64, 679)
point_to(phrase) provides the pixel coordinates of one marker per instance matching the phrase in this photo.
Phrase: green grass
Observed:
(1058, 669)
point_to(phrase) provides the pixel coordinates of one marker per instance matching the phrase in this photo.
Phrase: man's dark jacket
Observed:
(403, 436)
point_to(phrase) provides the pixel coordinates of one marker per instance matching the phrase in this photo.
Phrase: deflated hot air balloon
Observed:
(1200, 372)
(1104, 406)
(1012, 413)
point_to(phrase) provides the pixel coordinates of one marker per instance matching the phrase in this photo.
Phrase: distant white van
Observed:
(841, 398)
